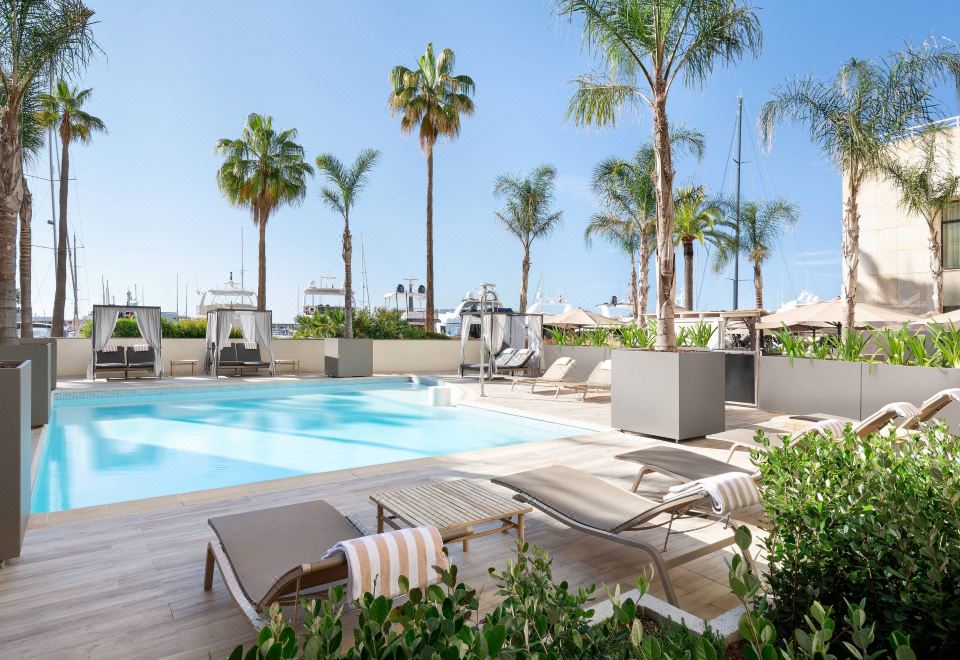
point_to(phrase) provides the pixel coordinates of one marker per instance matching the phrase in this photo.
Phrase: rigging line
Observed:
(43, 178)
(726, 166)
(703, 276)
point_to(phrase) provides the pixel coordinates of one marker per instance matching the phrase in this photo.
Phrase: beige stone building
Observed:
(894, 257)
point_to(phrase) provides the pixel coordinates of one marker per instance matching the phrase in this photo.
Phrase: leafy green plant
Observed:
(379, 324)
(697, 335)
(180, 329)
(558, 336)
(820, 349)
(598, 336)
(849, 346)
(791, 345)
(946, 342)
(875, 519)
(638, 336)
(894, 345)
(578, 339)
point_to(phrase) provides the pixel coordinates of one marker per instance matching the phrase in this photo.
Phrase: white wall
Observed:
(389, 356)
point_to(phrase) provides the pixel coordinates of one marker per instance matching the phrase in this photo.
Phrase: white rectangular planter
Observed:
(806, 386)
(676, 395)
(15, 456)
(587, 357)
(885, 383)
(348, 358)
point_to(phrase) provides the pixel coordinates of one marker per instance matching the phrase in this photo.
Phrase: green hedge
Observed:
(182, 329)
(875, 519)
(378, 324)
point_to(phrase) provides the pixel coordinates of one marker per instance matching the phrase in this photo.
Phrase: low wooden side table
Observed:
(293, 364)
(183, 363)
(450, 505)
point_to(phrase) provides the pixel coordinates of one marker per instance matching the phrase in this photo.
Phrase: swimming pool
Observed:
(104, 447)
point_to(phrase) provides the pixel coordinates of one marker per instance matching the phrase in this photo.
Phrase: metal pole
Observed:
(73, 273)
(736, 251)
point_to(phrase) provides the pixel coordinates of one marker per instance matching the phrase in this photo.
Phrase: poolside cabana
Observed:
(105, 320)
(501, 329)
(256, 327)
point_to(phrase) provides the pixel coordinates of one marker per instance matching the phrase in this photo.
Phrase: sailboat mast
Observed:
(241, 258)
(736, 251)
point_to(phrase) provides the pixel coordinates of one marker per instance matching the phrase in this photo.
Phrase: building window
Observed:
(951, 236)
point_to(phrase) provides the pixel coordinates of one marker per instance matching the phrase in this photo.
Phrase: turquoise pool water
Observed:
(139, 444)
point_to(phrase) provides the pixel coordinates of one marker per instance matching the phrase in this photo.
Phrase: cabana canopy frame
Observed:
(256, 326)
(105, 320)
(503, 329)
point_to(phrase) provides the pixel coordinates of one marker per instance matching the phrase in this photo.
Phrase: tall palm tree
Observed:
(264, 169)
(430, 98)
(855, 118)
(340, 196)
(927, 185)
(528, 212)
(626, 189)
(647, 45)
(761, 225)
(696, 220)
(63, 110)
(36, 37)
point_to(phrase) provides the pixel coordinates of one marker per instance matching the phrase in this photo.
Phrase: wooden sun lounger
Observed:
(594, 506)
(687, 465)
(271, 555)
(599, 380)
(555, 376)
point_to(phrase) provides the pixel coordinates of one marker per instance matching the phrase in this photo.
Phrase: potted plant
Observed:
(15, 455)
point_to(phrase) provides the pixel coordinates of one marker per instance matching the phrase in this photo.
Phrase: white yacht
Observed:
(410, 301)
(323, 296)
(231, 296)
(552, 306)
(449, 322)
(617, 309)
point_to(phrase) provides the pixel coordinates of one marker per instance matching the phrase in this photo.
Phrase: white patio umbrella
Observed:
(578, 318)
(830, 313)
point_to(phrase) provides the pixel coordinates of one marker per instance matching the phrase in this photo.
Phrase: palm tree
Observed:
(36, 38)
(63, 110)
(927, 186)
(264, 169)
(626, 189)
(647, 45)
(528, 212)
(347, 184)
(432, 99)
(696, 220)
(855, 118)
(761, 225)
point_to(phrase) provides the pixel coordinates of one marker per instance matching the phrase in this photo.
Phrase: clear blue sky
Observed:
(178, 75)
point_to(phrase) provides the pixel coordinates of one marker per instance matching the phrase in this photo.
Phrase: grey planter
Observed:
(587, 358)
(52, 343)
(348, 358)
(15, 456)
(676, 395)
(885, 383)
(38, 353)
(804, 385)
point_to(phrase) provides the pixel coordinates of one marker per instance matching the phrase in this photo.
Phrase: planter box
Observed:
(15, 456)
(804, 385)
(348, 358)
(587, 358)
(676, 395)
(739, 376)
(38, 353)
(885, 383)
(52, 343)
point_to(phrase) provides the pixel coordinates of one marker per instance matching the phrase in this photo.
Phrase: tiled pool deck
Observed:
(125, 580)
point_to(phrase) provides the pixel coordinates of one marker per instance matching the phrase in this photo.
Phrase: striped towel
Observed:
(252, 345)
(375, 562)
(902, 409)
(730, 491)
(141, 347)
(109, 347)
(830, 427)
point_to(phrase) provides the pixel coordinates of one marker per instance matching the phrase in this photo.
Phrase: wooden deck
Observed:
(126, 580)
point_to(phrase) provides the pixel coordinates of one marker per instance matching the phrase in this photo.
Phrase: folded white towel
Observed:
(109, 347)
(729, 492)
(252, 345)
(141, 347)
(374, 563)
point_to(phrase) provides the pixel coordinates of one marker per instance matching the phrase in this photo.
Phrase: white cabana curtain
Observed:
(465, 323)
(104, 321)
(148, 321)
(263, 329)
(535, 337)
(248, 326)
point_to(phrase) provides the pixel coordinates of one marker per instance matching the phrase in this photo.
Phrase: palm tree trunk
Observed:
(26, 256)
(644, 272)
(60, 292)
(428, 315)
(634, 289)
(936, 264)
(851, 256)
(260, 218)
(347, 278)
(11, 195)
(666, 256)
(688, 273)
(524, 277)
(758, 283)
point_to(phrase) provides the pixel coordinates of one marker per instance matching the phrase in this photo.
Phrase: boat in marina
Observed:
(232, 295)
(409, 300)
(323, 296)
